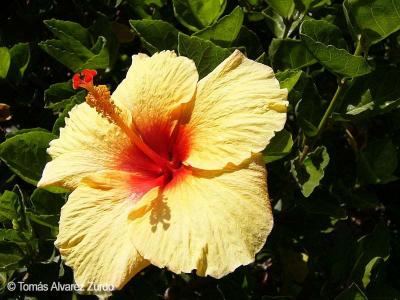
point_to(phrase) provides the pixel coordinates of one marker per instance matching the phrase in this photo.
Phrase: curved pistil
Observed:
(99, 98)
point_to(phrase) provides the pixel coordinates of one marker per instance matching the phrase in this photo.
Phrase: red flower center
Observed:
(157, 150)
(171, 143)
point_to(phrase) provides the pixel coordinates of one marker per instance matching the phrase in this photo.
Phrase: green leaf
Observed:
(103, 29)
(377, 162)
(14, 236)
(17, 132)
(10, 255)
(255, 2)
(19, 239)
(225, 31)
(100, 58)
(289, 78)
(369, 248)
(45, 224)
(71, 49)
(250, 41)
(289, 54)
(8, 206)
(58, 91)
(352, 293)
(70, 53)
(369, 270)
(284, 8)
(46, 203)
(60, 122)
(146, 8)
(309, 174)
(324, 32)
(303, 84)
(309, 4)
(374, 93)
(25, 154)
(12, 208)
(322, 203)
(373, 19)
(20, 57)
(5, 61)
(50, 221)
(205, 54)
(324, 41)
(275, 22)
(156, 35)
(196, 15)
(309, 109)
(61, 95)
(279, 146)
(65, 30)
(148, 3)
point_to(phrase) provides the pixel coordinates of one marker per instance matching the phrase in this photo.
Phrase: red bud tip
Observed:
(83, 78)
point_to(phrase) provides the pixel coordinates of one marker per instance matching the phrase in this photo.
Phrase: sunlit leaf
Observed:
(72, 48)
(25, 154)
(195, 14)
(309, 173)
(275, 22)
(323, 41)
(279, 146)
(285, 8)
(309, 4)
(374, 93)
(373, 19)
(288, 78)
(372, 251)
(8, 206)
(224, 32)
(205, 54)
(65, 30)
(20, 57)
(5, 60)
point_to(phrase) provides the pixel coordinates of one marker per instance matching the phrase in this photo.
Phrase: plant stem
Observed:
(304, 153)
(359, 48)
(331, 107)
(307, 147)
(288, 24)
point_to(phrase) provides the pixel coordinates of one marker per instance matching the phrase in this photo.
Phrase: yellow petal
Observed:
(211, 221)
(237, 109)
(95, 236)
(88, 143)
(155, 86)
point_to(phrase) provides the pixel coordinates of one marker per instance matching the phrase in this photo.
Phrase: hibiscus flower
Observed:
(167, 170)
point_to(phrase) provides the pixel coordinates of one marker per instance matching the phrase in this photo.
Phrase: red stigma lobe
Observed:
(83, 78)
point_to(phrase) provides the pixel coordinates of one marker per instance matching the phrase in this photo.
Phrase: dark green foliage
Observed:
(333, 172)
